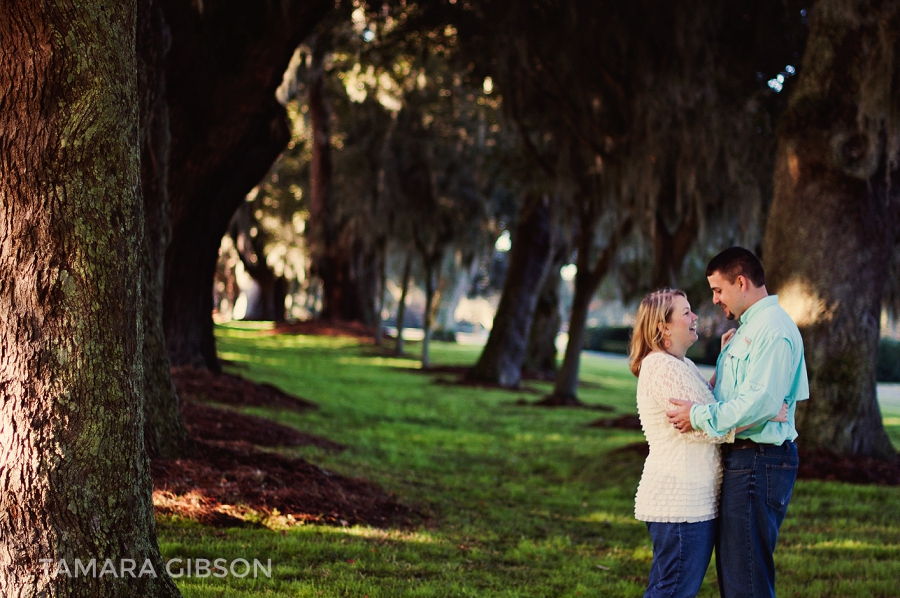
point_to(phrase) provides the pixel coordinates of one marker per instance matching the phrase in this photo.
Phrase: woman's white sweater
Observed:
(683, 472)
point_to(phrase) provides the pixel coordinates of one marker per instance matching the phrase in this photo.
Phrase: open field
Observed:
(515, 500)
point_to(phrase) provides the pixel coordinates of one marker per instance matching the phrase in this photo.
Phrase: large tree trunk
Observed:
(565, 388)
(671, 243)
(164, 431)
(322, 237)
(224, 65)
(529, 259)
(268, 302)
(358, 280)
(191, 260)
(540, 356)
(458, 281)
(74, 476)
(836, 216)
(587, 280)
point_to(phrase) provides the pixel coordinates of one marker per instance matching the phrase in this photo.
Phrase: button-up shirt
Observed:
(760, 368)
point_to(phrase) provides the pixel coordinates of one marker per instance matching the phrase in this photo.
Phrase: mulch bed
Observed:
(205, 422)
(458, 375)
(227, 477)
(320, 327)
(204, 385)
(814, 465)
(223, 480)
(825, 465)
(623, 422)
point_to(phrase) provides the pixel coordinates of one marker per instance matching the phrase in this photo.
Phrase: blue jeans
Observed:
(756, 489)
(681, 553)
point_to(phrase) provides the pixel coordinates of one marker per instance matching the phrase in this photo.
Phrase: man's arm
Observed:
(760, 396)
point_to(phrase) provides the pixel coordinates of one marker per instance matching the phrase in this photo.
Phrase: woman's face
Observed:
(681, 329)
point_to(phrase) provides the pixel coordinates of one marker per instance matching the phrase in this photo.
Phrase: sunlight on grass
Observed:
(241, 357)
(850, 545)
(392, 535)
(392, 362)
(515, 501)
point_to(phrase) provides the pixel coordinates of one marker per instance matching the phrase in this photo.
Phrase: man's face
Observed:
(728, 295)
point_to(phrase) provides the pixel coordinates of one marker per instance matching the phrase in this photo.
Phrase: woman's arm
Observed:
(670, 378)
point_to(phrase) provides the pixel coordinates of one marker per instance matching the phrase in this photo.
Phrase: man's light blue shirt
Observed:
(760, 368)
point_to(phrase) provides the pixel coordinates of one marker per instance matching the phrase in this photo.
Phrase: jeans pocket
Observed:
(742, 461)
(780, 485)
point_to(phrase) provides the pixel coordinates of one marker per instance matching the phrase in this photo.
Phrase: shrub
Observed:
(888, 364)
(609, 339)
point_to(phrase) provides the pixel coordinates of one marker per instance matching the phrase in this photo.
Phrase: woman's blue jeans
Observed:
(756, 490)
(681, 553)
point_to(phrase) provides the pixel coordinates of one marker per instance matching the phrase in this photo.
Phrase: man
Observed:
(761, 367)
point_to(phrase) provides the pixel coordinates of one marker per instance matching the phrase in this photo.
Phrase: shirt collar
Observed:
(758, 307)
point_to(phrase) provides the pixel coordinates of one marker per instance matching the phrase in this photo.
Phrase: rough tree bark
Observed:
(164, 432)
(222, 70)
(529, 260)
(835, 216)
(74, 476)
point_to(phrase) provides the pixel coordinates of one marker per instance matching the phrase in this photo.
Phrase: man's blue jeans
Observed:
(681, 553)
(756, 489)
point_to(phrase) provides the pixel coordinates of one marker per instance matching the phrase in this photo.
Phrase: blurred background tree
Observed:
(436, 152)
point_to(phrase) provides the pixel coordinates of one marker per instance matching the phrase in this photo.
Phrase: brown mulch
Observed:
(226, 478)
(223, 480)
(623, 422)
(205, 422)
(319, 327)
(814, 465)
(641, 449)
(825, 465)
(204, 385)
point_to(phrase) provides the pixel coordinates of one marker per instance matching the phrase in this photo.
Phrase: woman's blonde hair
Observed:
(655, 309)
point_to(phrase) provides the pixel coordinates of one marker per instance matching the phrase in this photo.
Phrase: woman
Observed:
(678, 496)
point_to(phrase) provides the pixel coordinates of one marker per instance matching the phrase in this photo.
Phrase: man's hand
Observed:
(681, 416)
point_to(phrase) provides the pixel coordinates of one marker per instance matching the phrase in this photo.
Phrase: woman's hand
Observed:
(782, 415)
(727, 337)
(780, 418)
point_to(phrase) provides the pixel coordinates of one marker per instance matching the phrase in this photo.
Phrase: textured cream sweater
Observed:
(683, 472)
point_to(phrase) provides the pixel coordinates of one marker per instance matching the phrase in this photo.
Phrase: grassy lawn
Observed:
(519, 501)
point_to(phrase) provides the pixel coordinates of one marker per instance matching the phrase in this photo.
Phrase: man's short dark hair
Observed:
(737, 261)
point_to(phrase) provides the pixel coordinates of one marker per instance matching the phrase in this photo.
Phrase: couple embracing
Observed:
(722, 461)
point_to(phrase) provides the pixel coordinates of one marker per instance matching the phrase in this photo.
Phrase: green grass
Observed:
(519, 501)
